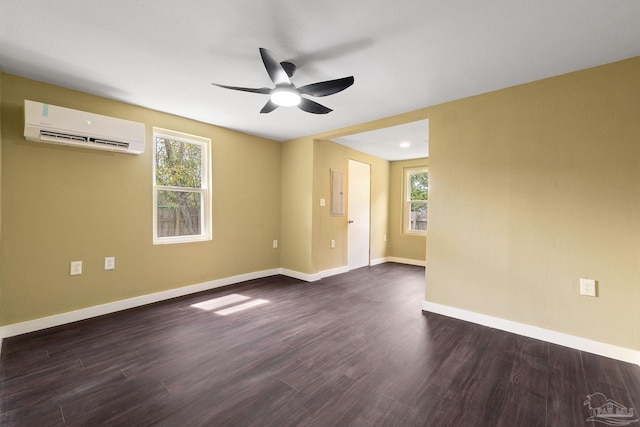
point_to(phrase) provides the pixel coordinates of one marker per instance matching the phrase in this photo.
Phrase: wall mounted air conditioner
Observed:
(59, 125)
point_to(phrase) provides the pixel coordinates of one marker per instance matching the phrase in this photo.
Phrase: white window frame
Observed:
(407, 202)
(204, 190)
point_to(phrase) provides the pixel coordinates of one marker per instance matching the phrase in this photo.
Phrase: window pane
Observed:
(419, 182)
(178, 163)
(417, 195)
(178, 213)
(418, 217)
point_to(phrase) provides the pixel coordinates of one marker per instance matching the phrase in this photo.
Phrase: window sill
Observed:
(180, 239)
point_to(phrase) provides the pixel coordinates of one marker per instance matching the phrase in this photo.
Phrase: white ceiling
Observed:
(404, 54)
(402, 142)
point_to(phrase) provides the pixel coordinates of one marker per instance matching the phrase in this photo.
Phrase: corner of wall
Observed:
(296, 224)
(1, 241)
(400, 244)
(329, 155)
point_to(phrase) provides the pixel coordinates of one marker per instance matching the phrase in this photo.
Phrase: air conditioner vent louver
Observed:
(123, 145)
(62, 136)
(45, 134)
(59, 125)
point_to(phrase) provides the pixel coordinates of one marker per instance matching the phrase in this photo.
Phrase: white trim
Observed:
(566, 340)
(406, 207)
(378, 261)
(302, 276)
(112, 307)
(204, 190)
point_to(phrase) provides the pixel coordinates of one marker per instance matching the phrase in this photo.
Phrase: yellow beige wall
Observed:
(329, 155)
(402, 245)
(532, 188)
(297, 193)
(1, 258)
(62, 204)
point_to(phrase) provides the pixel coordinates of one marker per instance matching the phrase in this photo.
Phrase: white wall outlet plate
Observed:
(588, 287)
(110, 263)
(275, 244)
(75, 268)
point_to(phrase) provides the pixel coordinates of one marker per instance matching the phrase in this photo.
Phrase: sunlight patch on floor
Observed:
(235, 301)
(214, 303)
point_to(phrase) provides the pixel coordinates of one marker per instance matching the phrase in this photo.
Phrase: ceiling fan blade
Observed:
(313, 107)
(327, 88)
(277, 74)
(269, 107)
(264, 90)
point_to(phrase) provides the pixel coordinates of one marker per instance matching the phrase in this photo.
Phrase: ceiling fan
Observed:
(285, 93)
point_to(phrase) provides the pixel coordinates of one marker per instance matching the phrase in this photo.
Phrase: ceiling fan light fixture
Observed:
(285, 96)
(285, 93)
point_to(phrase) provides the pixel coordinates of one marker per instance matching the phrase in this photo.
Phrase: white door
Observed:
(359, 197)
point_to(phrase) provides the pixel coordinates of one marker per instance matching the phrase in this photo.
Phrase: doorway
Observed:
(358, 208)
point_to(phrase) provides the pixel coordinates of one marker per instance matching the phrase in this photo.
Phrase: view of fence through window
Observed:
(418, 199)
(179, 187)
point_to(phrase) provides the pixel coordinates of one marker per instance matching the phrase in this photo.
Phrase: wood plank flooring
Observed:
(350, 350)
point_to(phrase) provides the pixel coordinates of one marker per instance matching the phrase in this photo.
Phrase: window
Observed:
(181, 188)
(416, 199)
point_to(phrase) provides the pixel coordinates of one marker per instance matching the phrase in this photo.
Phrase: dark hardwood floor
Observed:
(349, 350)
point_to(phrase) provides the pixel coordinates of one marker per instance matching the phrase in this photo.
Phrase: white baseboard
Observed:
(112, 307)
(301, 276)
(565, 340)
(377, 261)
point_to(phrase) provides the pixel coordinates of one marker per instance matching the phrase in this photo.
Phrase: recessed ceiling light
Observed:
(405, 144)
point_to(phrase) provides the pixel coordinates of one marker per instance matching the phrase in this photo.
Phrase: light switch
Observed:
(76, 268)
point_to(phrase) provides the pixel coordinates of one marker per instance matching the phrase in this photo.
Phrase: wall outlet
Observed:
(275, 244)
(110, 263)
(384, 238)
(333, 243)
(322, 202)
(76, 268)
(588, 287)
